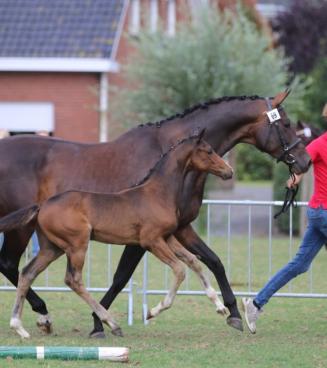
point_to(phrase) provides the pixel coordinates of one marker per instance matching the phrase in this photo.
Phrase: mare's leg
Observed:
(48, 253)
(193, 263)
(73, 278)
(191, 241)
(127, 264)
(14, 245)
(162, 251)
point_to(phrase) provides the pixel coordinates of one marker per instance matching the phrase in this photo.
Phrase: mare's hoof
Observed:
(235, 323)
(97, 335)
(118, 332)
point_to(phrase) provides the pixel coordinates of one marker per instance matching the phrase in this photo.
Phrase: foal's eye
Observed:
(210, 152)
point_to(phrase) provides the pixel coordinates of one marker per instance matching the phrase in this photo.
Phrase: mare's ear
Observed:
(299, 125)
(201, 134)
(279, 98)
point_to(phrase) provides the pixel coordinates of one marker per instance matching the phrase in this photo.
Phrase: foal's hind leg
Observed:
(194, 264)
(47, 254)
(161, 250)
(127, 264)
(15, 243)
(73, 278)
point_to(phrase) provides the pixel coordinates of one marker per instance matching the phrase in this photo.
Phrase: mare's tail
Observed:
(19, 218)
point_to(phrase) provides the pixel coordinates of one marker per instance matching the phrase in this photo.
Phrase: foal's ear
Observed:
(201, 134)
(280, 97)
(299, 125)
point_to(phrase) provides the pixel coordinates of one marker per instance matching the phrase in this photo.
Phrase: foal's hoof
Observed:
(118, 332)
(97, 335)
(222, 310)
(235, 323)
(149, 315)
(16, 324)
(44, 324)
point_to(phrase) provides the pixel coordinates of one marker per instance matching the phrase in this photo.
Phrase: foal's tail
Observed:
(19, 218)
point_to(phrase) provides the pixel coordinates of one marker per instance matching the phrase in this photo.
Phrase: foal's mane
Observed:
(163, 157)
(203, 105)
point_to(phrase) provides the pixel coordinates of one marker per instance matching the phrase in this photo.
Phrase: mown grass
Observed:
(291, 332)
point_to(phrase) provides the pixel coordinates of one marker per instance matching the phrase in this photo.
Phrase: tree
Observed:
(302, 31)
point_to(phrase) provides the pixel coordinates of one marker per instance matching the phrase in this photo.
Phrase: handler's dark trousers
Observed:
(314, 238)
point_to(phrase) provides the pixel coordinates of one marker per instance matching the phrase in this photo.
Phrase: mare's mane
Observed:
(203, 105)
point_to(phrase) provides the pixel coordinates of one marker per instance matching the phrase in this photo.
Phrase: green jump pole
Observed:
(65, 353)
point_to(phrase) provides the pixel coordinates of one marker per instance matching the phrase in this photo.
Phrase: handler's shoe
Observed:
(251, 313)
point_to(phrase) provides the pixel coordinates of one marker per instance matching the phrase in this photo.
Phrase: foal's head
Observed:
(204, 158)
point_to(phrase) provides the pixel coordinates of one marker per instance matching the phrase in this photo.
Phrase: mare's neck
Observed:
(227, 123)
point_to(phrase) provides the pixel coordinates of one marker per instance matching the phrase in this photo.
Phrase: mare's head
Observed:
(274, 134)
(307, 132)
(204, 158)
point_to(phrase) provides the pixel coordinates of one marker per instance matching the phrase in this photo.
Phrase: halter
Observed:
(274, 119)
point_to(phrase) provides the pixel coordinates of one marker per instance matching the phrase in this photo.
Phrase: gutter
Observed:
(51, 64)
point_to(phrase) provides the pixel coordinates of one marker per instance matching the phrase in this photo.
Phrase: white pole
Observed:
(154, 16)
(171, 18)
(103, 107)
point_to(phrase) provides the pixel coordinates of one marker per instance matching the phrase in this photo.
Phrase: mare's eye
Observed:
(210, 152)
(287, 123)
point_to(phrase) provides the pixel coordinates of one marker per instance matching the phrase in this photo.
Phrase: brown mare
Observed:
(147, 214)
(34, 168)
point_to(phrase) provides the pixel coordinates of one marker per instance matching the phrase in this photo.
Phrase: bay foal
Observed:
(147, 214)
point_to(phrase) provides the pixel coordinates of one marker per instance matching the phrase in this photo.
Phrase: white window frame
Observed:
(135, 18)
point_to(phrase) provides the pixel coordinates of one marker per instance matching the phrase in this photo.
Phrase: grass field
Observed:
(291, 332)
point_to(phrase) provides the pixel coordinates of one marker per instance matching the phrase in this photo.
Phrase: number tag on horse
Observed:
(273, 115)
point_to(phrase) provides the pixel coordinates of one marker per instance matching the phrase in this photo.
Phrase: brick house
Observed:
(58, 58)
(55, 57)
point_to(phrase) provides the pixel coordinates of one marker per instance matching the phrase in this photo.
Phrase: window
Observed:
(26, 116)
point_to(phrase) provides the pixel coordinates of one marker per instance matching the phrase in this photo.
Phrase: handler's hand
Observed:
(292, 182)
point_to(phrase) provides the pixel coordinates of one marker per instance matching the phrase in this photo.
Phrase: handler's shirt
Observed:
(317, 150)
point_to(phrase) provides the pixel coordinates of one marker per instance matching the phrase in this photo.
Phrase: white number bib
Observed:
(273, 115)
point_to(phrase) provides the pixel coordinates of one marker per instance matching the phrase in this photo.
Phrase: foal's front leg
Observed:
(193, 263)
(162, 251)
(191, 241)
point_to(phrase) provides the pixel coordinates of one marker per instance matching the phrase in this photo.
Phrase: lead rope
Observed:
(289, 199)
